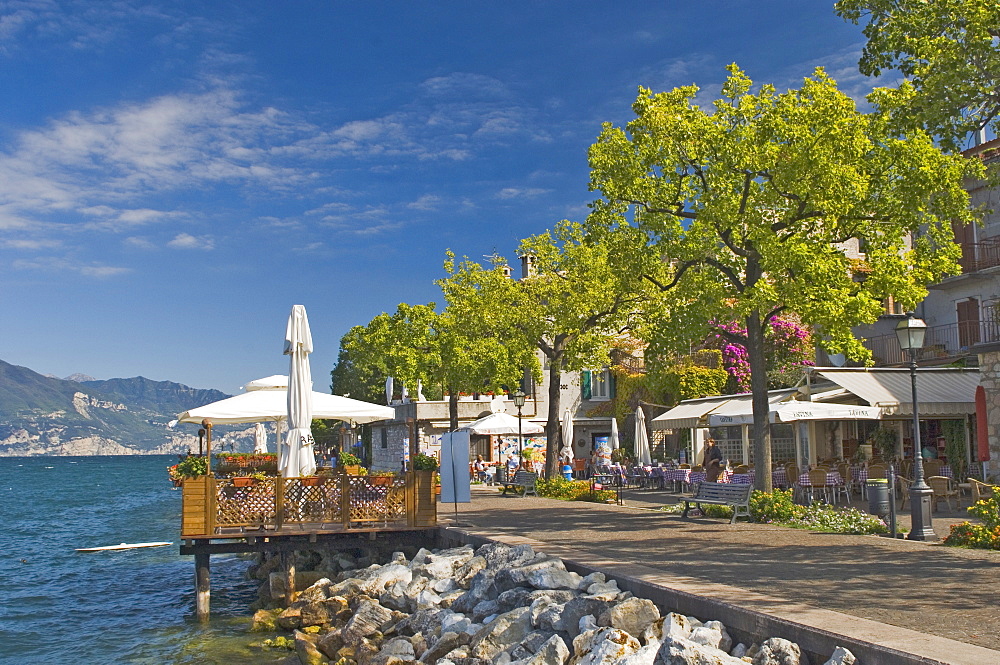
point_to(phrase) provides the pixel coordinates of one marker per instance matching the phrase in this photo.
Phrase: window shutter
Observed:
(585, 384)
(612, 384)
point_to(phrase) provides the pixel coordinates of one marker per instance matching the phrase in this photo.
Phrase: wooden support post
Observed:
(202, 585)
(288, 565)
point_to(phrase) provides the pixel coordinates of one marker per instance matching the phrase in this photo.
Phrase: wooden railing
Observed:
(219, 506)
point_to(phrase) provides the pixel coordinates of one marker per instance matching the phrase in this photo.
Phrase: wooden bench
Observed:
(523, 479)
(722, 494)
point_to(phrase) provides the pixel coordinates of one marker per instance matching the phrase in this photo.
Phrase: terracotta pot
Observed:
(383, 481)
(243, 481)
(311, 481)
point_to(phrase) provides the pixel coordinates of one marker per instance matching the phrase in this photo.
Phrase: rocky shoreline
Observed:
(496, 605)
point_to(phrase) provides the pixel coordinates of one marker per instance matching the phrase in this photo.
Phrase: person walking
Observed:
(712, 461)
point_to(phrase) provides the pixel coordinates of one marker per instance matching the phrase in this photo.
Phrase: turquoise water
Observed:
(130, 606)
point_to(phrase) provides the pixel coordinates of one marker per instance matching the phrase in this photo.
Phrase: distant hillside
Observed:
(42, 415)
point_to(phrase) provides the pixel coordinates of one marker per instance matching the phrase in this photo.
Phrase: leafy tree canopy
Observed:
(747, 210)
(949, 52)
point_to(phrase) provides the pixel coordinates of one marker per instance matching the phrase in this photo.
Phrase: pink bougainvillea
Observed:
(788, 345)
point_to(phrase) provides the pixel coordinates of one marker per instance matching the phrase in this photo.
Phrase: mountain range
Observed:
(45, 415)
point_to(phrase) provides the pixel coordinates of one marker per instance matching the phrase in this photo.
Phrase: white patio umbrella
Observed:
(502, 423)
(271, 405)
(567, 436)
(298, 458)
(614, 434)
(259, 438)
(641, 438)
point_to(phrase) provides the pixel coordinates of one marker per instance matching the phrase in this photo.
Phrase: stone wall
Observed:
(989, 378)
(389, 458)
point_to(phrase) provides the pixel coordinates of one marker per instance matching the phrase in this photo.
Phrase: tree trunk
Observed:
(761, 406)
(452, 409)
(553, 425)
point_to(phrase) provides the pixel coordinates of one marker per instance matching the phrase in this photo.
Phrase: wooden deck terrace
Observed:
(283, 515)
(226, 507)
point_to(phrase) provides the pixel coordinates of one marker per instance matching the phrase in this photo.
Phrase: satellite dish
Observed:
(837, 359)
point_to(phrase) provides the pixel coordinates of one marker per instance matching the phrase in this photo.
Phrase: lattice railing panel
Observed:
(245, 506)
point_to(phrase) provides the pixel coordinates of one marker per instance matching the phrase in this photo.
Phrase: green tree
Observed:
(746, 212)
(570, 308)
(949, 52)
(446, 352)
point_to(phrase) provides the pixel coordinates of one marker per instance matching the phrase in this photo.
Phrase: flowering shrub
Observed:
(572, 490)
(789, 347)
(980, 536)
(776, 506)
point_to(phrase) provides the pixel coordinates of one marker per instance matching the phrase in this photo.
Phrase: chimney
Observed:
(507, 271)
(527, 266)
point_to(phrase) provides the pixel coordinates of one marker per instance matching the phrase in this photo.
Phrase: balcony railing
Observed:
(941, 342)
(978, 256)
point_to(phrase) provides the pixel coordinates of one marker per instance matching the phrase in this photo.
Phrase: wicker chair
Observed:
(932, 467)
(817, 483)
(942, 488)
(980, 490)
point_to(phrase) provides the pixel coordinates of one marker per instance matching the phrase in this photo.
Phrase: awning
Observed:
(693, 413)
(687, 414)
(941, 392)
(794, 411)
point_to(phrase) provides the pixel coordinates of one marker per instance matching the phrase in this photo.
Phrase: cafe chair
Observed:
(932, 467)
(980, 490)
(817, 483)
(942, 489)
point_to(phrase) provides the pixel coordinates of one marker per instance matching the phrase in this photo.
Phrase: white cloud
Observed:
(508, 193)
(426, 202)
(27, 243)
(139, 242)
(188, 241)
(59, 264)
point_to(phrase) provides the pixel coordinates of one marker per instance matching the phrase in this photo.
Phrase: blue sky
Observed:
(174, 176)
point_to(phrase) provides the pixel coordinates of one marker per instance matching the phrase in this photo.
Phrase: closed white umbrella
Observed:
(614, 434)
(298, 459)
(641, 438)
(259, 438)
(567, 436)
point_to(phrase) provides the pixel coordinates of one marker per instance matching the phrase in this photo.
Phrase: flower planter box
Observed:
(312, 481)
(242, 481)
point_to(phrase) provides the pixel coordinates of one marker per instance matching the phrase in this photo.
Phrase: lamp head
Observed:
(910, 333)
(519, 398)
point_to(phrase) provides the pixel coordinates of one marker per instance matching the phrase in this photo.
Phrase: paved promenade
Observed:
(927, 588)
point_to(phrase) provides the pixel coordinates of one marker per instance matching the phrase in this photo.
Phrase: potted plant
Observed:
(423, 462)
(243, 481)
(884, 443)
(381, 478)
(350, 463)
(192, 467)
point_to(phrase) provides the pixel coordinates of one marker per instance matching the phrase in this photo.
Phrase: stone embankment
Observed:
(498, 605)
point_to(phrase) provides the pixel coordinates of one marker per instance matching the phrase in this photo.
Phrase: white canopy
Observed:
(272, 405)
(794, 411)
(502, 423)
(275, 382)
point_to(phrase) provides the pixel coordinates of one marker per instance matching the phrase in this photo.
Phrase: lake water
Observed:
(129, 606)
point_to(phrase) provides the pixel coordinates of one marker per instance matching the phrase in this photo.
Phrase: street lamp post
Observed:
(519, 403)
(910, 332)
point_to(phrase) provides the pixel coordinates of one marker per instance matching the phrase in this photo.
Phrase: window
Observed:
(597, 384)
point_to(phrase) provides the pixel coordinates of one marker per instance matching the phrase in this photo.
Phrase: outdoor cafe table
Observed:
(688, 477)
(778, 478)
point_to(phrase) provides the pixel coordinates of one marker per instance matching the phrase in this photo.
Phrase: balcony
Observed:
(978, 256)
(942, 344)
